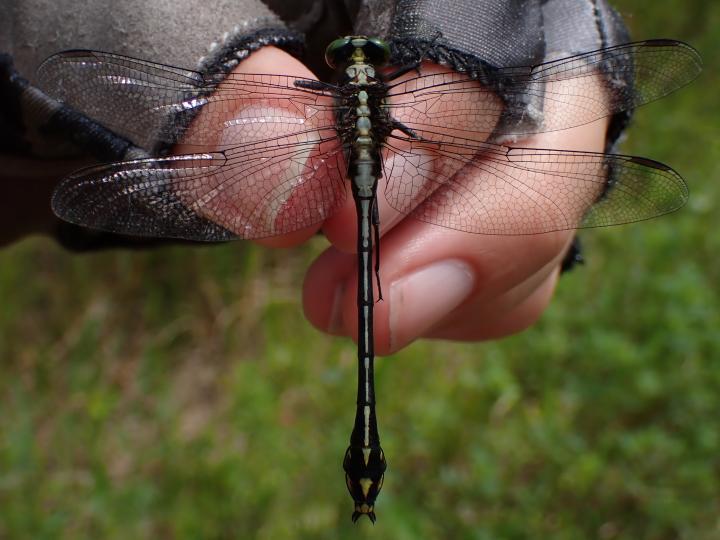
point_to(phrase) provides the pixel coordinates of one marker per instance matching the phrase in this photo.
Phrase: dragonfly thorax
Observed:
(360, 74)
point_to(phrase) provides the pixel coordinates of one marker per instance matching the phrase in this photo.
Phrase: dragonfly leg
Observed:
(406, 130)
(313, 85)
(376, 230)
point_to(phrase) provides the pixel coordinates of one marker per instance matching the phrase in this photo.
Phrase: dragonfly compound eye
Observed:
(339, 52)
(377, 51)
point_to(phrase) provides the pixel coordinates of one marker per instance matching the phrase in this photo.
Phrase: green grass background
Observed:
(180, 394)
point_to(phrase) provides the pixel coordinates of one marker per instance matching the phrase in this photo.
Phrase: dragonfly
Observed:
(273, 154)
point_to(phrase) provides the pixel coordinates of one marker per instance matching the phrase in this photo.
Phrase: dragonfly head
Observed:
(350, 49)
(364, 473)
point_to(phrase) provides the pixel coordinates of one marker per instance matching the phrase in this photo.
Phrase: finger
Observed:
(245, 189)
(501, 315)
(428, 273)
(520, 318)
(325, 290)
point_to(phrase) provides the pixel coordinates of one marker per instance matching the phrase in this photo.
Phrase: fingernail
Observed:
(421, 299)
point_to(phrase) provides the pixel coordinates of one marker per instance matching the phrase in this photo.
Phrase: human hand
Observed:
(440, 283)
(437, 282)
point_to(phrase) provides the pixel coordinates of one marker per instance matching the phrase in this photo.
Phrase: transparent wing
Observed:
(255, 191)
(574, 91)
(148, 102)
(267, 160)
(493, 189)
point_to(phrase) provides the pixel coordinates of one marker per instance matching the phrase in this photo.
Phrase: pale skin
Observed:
(437, 283)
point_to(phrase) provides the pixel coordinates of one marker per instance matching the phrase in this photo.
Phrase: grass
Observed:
(180, 394)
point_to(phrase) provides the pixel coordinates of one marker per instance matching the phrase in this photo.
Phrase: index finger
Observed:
(281, 175)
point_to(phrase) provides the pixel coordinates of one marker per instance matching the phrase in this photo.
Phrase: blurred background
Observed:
(179, 393)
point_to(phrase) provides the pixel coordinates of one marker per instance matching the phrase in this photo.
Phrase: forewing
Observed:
(148, 102)
(573, 91)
